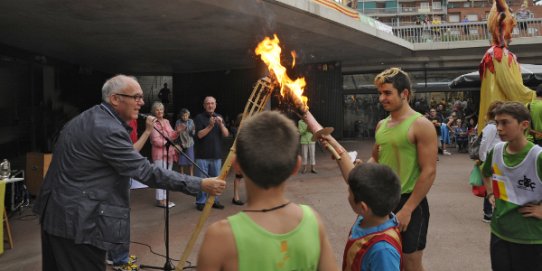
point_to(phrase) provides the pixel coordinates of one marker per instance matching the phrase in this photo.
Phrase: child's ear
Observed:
(525, 125)
(364, 207)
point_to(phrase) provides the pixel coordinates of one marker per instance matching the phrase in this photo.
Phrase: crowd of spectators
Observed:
(455, 121)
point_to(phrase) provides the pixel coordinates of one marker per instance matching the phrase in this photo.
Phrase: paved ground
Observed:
(458, 240)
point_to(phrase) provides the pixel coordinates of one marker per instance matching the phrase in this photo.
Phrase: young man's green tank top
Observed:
(397, 152)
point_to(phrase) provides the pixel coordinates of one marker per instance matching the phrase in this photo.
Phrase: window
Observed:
(453, 18)
(472, 17)
(437, 5)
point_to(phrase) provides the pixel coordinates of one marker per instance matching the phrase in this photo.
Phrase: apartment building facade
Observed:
(411, 12)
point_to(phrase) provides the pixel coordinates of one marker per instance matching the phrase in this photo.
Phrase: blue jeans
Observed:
(119, 255)
(212, 168)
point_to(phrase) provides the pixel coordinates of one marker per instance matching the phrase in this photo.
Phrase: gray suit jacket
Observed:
(85, 195)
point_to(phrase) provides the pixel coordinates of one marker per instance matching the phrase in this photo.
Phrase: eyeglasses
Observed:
(136, 97)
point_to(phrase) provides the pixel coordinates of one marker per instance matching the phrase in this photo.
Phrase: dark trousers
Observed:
(415, 237)
(507, 256)
(61, 254)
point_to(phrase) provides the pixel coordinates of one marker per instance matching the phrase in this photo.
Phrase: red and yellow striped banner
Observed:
(342, 9)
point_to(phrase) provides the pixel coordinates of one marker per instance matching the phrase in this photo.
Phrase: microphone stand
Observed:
(168, 266)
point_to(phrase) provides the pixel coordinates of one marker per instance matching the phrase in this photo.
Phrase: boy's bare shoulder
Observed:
(220, 228)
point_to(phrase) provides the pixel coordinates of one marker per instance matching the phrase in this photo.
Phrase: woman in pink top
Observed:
(160, 156)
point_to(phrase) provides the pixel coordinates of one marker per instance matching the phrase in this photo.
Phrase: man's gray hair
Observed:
(114, 85)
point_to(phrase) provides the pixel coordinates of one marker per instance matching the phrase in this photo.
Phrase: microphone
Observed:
(142, 116)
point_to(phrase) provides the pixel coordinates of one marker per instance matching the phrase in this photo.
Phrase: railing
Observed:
(470, 4)
(401, 10)
(463, 31)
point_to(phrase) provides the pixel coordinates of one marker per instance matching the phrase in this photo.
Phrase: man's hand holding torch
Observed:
(213, 186)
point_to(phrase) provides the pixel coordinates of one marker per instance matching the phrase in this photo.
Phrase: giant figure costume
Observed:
(499, 69)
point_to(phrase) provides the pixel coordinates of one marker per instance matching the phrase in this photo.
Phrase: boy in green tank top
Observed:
(512, 173)
(406, 142)
(272, 233)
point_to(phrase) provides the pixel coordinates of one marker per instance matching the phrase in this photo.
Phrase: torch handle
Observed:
(327, 131)
(256, 103)
(333, 152)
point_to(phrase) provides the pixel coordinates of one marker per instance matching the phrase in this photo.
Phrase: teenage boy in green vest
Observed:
(515, 190)
(407, 143)
(272, 233)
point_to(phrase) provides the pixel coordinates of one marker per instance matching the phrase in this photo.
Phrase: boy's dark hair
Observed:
(515, 109)
(267, 148)
(398, 78)
(490, 115)
(539, 91)
(376, 185)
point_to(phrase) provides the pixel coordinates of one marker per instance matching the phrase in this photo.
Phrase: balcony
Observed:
(471, 31)
(401, 11)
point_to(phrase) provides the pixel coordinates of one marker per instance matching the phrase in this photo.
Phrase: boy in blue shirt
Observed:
(374, 242)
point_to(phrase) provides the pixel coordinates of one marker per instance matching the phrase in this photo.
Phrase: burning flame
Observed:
(269, 51)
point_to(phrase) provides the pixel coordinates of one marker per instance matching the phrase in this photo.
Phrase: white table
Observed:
(17, 176)
(11, 180)
(3, 214)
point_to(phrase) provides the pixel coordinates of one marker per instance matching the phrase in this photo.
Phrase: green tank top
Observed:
(397, 152)
(259, 249)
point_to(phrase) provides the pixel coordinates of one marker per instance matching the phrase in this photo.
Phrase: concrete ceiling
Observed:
(177, 36)
(142, 36)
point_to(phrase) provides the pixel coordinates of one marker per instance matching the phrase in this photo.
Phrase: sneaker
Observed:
(486, 219)
(200, 206)
(237, 201)
(131, 260)
(163, 204)
(446, 153)
(126, 267)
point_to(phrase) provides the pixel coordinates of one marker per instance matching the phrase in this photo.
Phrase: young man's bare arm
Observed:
(345, 163)
(327, 258)
(425, 138)
(218, 249)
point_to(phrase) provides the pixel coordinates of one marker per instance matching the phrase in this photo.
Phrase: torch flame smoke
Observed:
(269, 51)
